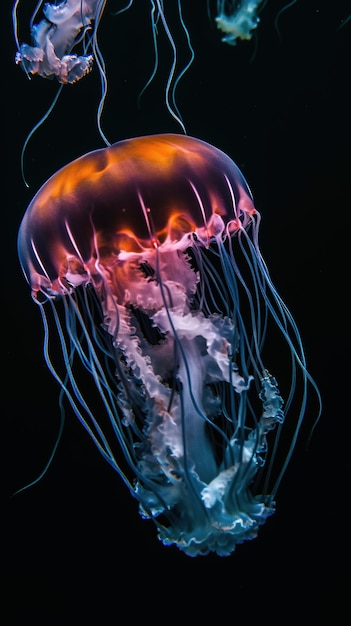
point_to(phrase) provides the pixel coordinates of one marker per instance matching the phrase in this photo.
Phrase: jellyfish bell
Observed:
(166, 187)
(151, 248)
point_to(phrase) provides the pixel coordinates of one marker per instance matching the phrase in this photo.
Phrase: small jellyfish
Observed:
(64, 26)
(237, 19)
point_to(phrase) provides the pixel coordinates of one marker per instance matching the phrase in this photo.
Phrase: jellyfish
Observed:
(237, 19)
(64, 26)
(144, 259)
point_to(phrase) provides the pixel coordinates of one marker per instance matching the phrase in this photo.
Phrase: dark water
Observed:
(280, 108)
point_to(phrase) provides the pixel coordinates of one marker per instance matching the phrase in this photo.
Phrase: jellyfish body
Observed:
(150, 248)
(64, 26)
(237, 19)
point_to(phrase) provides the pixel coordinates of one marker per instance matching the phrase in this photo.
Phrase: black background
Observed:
(74, 545)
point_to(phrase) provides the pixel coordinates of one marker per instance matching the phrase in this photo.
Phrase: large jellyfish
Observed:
(144, 259)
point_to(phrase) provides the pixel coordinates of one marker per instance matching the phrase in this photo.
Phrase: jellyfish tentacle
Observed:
(153, 17)
(278, 16)
(170, 93)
